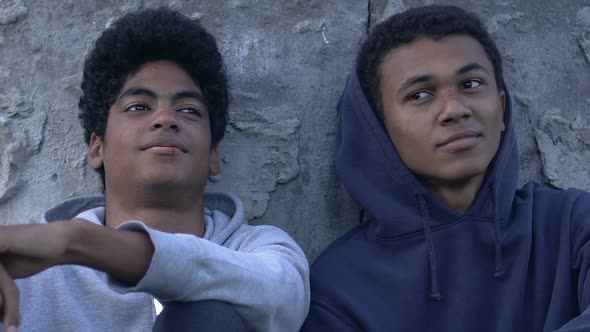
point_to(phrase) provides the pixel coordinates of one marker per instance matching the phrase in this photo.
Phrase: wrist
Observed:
(72, 231)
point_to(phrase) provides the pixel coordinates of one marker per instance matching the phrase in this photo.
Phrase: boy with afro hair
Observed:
(154, 109)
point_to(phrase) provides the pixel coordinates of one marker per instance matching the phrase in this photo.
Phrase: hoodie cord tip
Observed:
(499, 273)
(435, 296)
(434, 293)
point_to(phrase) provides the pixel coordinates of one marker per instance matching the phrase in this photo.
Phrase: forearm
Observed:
(124, 255)
(266, 279)
(267, 287)
(26, 250)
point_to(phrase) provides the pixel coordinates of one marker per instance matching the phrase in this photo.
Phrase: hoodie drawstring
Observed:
(434, 292)
(497, 241)
(498, 273)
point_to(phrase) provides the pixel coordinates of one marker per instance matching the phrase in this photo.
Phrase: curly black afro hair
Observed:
(434, 22)
(145, 36)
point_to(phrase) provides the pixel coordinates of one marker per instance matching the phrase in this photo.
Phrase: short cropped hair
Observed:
(435, 22)
(145, 36)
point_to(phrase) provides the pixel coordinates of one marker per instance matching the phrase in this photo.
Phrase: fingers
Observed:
(10, 305)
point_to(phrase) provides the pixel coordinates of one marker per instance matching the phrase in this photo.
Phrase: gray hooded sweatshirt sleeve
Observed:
(258, 269)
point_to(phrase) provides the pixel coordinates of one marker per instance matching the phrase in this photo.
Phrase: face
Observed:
(441, 108)
(157, 132)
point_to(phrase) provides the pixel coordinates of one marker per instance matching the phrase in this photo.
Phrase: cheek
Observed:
(202, 135)
(411, 138)
(408, 136)
(114, 140)
(118, 142)
(411, 145)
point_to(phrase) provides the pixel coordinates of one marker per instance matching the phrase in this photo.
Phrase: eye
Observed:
(190, 110)
(137, 108)
(471, 84)
(418, 95)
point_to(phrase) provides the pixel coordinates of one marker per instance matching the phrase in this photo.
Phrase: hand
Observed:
(26, 250)
(9, 301)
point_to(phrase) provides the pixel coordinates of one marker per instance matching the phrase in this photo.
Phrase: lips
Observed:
(459, 136)
(165, 143)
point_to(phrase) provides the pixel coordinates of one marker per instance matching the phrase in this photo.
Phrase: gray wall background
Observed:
(287, 62)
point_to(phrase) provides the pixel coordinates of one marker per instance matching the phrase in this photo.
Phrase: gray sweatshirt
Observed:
(258, 269)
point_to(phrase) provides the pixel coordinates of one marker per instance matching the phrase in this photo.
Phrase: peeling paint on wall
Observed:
(15, 104)
(261, 166)
(565, 151)
(16, 146)
(583, 22)
(11, 11)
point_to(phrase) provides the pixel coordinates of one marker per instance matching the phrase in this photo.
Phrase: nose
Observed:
(453, 110)
(165, 119)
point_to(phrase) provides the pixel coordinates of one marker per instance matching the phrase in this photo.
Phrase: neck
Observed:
(159, 209)
(458, 195)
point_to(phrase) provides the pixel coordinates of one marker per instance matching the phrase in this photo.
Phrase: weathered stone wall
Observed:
(287, 61)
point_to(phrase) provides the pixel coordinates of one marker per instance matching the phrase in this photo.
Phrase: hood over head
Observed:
(376, 177)
(398, 204)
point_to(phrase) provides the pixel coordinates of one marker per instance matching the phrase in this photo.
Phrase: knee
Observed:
(202, 316)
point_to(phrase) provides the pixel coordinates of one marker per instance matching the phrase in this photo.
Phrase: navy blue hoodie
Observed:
(516, 260)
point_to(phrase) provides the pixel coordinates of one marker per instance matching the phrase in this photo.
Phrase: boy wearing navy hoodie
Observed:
(426, 145)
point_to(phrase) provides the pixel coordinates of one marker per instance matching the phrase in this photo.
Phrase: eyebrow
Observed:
(428, 78)
(415, 80)
(470, 67)
(139, 91)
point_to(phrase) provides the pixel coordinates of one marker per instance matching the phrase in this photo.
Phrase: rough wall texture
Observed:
(287, 61)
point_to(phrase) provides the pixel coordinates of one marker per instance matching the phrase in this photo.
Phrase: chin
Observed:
(163, 180)
(176, 180)
(465, 172)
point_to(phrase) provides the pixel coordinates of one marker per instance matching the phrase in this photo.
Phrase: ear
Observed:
(94, 157)
(502, 96)
(214, 161)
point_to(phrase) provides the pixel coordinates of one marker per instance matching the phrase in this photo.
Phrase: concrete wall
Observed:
(287, 62)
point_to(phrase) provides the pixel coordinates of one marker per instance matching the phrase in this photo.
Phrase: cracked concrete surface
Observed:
(259, 153)
(565, 150)
(11, 11)
(287, 62)
(16, 146)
